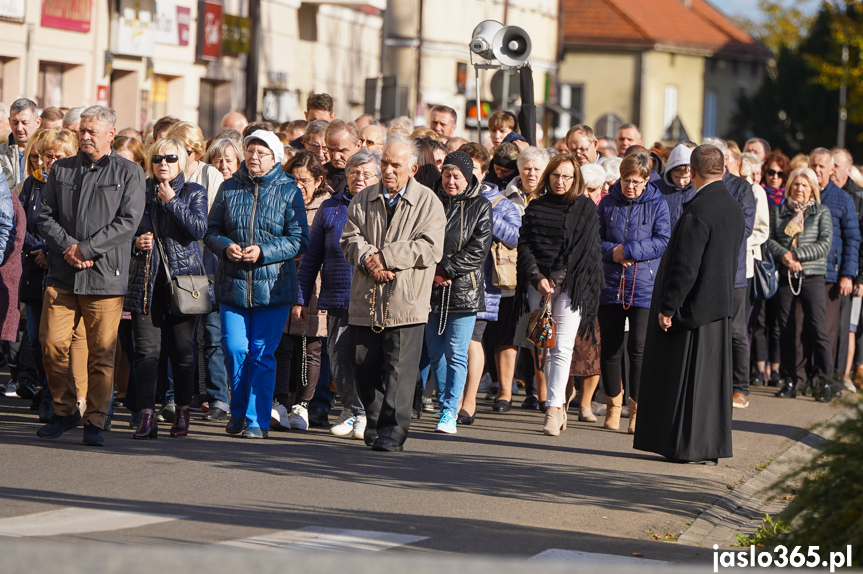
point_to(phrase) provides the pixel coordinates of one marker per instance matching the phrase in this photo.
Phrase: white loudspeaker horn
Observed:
(511, 46)
(483, 36)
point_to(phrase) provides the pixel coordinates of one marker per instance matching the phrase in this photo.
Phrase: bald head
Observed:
(234, 121)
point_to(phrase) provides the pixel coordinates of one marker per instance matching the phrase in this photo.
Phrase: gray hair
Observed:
(748, 160)
(362, 157)
(72, 116)
(822, 151)
(718, 142)
(763, 143)
(105, 115)
(402, 122)
(611, 165)
(316, 128)
(593, 174)
(22, 104)
(220, 145)
(398, 139)
(532, 153)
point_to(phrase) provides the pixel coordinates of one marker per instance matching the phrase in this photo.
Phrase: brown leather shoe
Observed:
(148, 428)
(181, 423)
(739, 401)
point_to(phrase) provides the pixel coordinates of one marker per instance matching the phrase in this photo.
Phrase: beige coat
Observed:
(411, 246)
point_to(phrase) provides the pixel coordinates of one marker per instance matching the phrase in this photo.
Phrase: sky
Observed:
(748, 8)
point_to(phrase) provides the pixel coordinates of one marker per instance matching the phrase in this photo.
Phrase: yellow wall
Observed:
(608, 79)
(686, 73)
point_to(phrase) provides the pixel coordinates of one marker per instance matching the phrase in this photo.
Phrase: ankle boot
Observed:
(612, 412)
(633, 409)
(555, 421)
(181, 423)
(585, 415)
(148, 428)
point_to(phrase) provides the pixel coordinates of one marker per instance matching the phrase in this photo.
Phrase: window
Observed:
(709, 129)
(50, 88)
(669, 110)
(572, 99)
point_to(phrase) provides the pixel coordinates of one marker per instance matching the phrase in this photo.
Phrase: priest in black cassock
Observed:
(684, 408)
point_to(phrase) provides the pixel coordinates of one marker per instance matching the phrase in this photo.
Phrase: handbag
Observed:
(764, 282)
(187, 294)
(541, 332)
(504, 260)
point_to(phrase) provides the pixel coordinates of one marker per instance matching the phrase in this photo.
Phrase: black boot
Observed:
(825, 391)
(788, 390)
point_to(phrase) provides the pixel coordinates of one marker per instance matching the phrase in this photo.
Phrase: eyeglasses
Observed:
(54, 157)
(304, 181)
(157, 159)
(632, 182)
(260, 154)
(315, 148)
(774, 173)
(562, 177)
(359, 174)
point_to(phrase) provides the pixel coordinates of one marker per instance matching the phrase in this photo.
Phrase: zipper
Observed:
(252, 242)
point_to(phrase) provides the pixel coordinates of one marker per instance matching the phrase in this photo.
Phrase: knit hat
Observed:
(513, 137)
(271, 140)
(462, 161)
(680, 155)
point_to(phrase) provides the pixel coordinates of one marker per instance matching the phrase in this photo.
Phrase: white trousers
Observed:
(559, 358)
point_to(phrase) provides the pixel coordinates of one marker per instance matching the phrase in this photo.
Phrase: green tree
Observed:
(782, 24)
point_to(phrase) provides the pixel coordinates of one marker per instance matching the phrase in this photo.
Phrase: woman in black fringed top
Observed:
(559, 256)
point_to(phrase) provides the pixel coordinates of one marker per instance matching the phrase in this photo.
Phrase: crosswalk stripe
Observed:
(77, 521)
(329, 539)
(591, 557)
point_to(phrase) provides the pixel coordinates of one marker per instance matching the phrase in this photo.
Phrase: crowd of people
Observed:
(270, 276)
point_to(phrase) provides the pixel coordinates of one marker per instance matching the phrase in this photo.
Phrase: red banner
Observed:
(71, 15)
(209, 30)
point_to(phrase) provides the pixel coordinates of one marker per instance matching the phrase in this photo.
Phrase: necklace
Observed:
(621, 289)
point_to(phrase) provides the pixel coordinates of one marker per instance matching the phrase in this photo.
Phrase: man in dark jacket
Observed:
(343, 141)
(92, 204)
(686, 384)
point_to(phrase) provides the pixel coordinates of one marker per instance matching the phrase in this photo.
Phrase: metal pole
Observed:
(843, 95)
(478, 109)
(505, 89)
(252, 61)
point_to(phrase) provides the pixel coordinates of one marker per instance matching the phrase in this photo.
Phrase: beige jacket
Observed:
(411, 246)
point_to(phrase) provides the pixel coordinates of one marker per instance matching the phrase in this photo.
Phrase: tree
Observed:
(780, 25)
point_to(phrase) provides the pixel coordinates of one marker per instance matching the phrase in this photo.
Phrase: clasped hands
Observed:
(791, 262)
(75, 258)
(374, 265)
(236, 253)
(619, 257)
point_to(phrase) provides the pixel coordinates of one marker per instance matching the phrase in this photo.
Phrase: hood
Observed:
(342, 196)
(658, 162)
(680, 155)
(273, 177)
(489, 190)
(650, 193)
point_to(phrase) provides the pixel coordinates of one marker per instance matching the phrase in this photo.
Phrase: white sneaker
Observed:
(848, 386)
(299, 417)
(359, 428)
(279, 418)
(344, 424)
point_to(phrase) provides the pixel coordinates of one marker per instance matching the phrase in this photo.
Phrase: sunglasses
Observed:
(773, 173)
(157, 159)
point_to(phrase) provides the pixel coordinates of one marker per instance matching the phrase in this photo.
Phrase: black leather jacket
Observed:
(466, 245)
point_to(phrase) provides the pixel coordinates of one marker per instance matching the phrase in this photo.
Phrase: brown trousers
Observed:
(62, 312)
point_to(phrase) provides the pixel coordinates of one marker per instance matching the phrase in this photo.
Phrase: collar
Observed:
(399, 195)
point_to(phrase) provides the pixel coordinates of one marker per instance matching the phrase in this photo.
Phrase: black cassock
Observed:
(685, 397)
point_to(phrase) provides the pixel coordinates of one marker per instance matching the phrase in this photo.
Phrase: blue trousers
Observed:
(217, 378)
(448, 357)
(249, 341)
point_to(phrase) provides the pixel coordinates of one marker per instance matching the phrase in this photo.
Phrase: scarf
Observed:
(776, 196)
(40, 175)
(795, 227)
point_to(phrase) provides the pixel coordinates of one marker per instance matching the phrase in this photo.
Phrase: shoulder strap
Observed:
(496, 201)
(162, 255)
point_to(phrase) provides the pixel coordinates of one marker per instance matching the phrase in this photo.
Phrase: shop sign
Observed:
(102, 95)
(236, 35)
(172, 24)
(73, 15)
(209, 31)
(12, 10)
(134, 28)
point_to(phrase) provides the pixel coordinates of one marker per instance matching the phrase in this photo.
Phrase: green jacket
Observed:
(812, 245)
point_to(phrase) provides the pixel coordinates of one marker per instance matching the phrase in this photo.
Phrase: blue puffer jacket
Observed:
(642, 226)
(741, 190)
(842, 259)
(505, 225)
(324, 250)
(267, 211)
(675, 197)
(32, 276)
(179, 224)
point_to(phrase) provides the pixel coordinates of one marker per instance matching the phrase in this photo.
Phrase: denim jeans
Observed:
(217, 376)
(249, 341)
(34, 316)
(448, 356)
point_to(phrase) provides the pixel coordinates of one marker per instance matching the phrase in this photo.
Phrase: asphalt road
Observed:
(497, 488)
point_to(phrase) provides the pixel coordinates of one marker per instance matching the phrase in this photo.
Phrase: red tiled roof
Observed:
(669, 22)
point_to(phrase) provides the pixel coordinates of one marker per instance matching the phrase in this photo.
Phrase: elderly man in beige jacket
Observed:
(394, 239)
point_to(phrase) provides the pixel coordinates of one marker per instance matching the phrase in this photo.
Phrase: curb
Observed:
(743, 509)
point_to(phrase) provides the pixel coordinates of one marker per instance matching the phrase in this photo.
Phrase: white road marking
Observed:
(591, 557)
(329, 539)
(77, 521)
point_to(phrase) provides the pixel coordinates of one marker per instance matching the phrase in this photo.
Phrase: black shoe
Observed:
(543, 407)
(825, 392)
(36, 401)
(757, 380)
(385, 444)
(530, 403)
(370, 436)
(107, 426)
(197, 401)
(46, 409)
(809, 389)
(26, 390)
(92, 436)
(120, 403)
(504, 406)
(318, 417)
(416, 414)
(705, 462)
(788, 391)
(775, 379)
(58, 425)
(166, 415)
(428, 405)
(215, 414)
(465, 419)
(235, 426)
